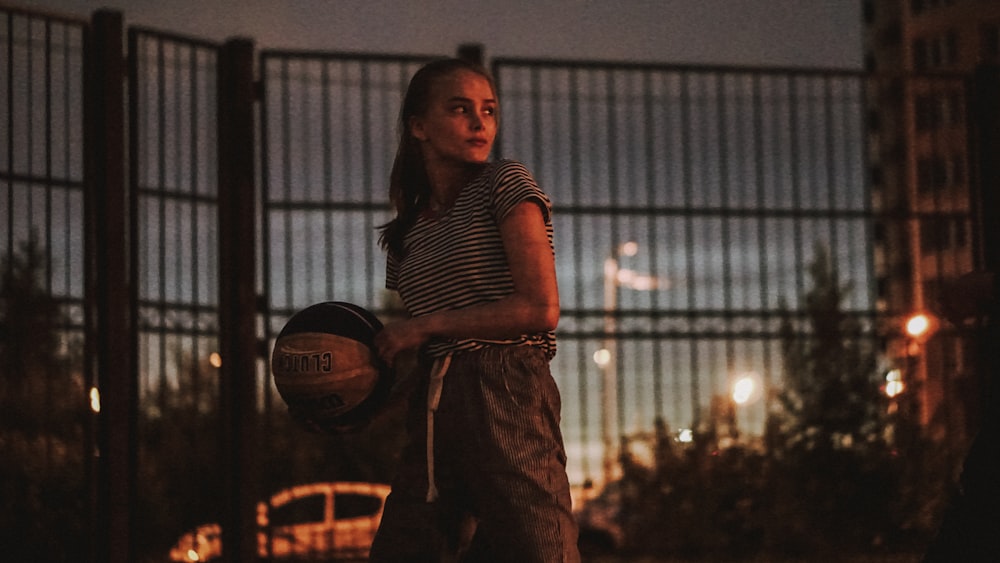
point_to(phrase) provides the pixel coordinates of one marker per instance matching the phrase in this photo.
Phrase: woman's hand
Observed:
(399, 336)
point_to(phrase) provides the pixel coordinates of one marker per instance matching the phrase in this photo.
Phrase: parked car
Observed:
(319, 520)
(204, 543)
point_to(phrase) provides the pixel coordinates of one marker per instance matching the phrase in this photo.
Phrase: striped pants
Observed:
(499, 467)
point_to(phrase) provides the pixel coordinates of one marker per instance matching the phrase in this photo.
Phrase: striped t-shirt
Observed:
(457, 260)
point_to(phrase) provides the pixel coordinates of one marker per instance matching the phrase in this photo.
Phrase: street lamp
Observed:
(607, 357)
(746, 390)
(743, 389)
(918, 328)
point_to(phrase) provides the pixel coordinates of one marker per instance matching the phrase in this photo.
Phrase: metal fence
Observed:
(727, 183)
(175, 275)
(41, 161)
(46, 433)
(173, 185)
(726, 180)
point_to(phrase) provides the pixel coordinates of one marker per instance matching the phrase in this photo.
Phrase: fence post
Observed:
(110, 348)
(472, 52)
(237, 295)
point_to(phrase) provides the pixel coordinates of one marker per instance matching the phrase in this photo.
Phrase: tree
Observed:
(43, 414)
(830, 394)
(831, 466)
(830, 479)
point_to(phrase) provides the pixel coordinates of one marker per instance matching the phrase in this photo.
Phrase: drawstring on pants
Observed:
(438, 370)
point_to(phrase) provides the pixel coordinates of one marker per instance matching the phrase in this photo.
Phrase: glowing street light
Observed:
(746, 390)
(743, 390)
(95, 400)
(894, 385)
(602, 357)
(919, 326)
(606, 357)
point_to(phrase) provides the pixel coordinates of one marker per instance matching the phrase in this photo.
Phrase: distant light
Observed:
(634, 280)
(894, 385)
(685, 435)
(743, 390)
(630, 248)
(746, 388)
(193, 555)
(918, 325)
(95, 400)
(602, 357)
(215, 359)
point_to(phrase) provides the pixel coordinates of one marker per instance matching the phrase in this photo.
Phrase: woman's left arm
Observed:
(532, 307)
(535, 300)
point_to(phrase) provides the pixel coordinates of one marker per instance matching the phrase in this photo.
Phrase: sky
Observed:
(783, 33)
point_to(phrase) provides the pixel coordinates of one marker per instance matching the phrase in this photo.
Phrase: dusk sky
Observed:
(796, 33)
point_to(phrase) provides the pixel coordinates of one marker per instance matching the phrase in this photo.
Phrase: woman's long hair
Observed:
(409, 187)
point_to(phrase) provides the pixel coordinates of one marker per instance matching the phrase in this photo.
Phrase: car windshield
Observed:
(353, 505)
(299, 511)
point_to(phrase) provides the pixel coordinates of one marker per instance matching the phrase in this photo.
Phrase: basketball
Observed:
(325, 367)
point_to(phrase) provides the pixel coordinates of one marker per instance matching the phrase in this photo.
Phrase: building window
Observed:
(874, 120)
(876, 175)
(935, 55)
(990, 49)
(937, 173)
(957, 169)
(942, 233)
(879, 233)
(961, 233)
(882, 287)
(934, 111)
(953, 101)
(932, 291)
(928, 109)
(950, 48)
(935, 52)
(893, 92)
(892, 35)
(919, 47)
(933, 235)
(932, 174)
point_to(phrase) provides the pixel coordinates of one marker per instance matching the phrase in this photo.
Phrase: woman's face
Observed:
(460, 122)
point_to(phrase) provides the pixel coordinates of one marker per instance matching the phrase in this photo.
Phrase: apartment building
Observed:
(923, 56)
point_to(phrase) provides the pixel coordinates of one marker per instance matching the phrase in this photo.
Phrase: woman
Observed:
(470, 253)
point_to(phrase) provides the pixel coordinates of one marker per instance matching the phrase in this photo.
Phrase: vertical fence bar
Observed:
(8, 64)
(237, 298)
(109, 325)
